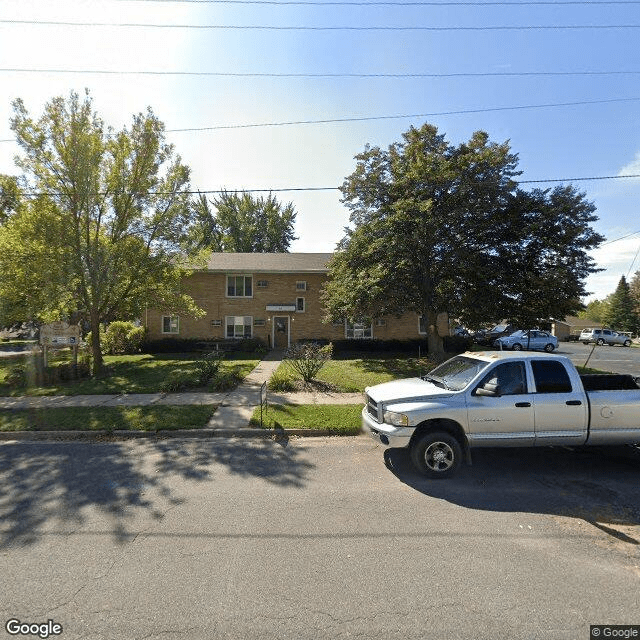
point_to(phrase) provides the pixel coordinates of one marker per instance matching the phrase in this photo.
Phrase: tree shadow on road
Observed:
(52, 485)
(595, 484)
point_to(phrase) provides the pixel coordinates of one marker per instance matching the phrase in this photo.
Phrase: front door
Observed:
(281, 332)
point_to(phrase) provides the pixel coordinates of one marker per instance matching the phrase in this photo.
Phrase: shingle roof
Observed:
(269, 262)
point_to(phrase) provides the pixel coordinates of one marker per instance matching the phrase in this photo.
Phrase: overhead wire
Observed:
(348, 119)
(260, 27)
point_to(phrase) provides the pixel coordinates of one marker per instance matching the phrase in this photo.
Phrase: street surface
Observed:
(616, 359)
(315, 538)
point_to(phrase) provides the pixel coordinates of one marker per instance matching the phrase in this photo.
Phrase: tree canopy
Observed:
(239, 223)
(620, 313)
(98, 236)
(443, 228)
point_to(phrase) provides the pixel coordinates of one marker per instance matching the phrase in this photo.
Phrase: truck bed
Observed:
(609, 382)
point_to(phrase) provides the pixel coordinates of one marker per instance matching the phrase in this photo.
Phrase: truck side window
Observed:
(509, 377)
(550, 376)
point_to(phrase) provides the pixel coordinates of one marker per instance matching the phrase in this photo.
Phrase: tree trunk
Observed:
(434, 340)
(96, 346)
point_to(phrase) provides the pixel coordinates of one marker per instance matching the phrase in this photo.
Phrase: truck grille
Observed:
(372, 408)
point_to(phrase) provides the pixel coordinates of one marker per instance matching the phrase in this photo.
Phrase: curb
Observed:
(102, 435)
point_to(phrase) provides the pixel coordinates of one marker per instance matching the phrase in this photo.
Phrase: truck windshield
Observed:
(457, 373)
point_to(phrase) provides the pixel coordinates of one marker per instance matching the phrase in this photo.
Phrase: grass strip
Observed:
(110, 418)
(341, 419)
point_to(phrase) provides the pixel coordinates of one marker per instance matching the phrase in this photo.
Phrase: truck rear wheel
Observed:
(436, 455)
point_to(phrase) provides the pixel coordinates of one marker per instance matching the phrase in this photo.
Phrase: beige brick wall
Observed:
(209, 291)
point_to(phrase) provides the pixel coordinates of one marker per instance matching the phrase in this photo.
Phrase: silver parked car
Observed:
(531, 339)
(604, 336)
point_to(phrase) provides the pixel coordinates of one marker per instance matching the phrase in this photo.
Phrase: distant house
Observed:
(572, 326)
(271, 296)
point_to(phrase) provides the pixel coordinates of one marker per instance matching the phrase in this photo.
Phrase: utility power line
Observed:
(269, 74)
(389, 117)
(34, 194)
(57, 23)
(374, 3)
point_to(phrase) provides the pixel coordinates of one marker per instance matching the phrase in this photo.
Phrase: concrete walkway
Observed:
(235, 408)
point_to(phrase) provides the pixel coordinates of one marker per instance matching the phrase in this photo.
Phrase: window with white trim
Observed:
(239, 326)
(300, 305)
(170, 324)
(239, 286)
(358, 330)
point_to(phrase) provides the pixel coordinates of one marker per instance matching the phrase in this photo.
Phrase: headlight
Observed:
(396, 419)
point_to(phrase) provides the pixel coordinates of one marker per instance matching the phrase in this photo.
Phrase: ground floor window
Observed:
(239, 326)
(422, 325)
(170, 324)
(359, 331)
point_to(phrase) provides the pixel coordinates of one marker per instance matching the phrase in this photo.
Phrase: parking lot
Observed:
(615, 359)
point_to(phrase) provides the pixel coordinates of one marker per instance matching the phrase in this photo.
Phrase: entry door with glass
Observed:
(281, 332)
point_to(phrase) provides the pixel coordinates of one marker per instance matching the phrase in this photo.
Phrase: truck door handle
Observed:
(574, 403)
(523, 404)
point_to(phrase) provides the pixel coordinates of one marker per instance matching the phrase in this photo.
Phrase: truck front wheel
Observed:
(436, 455)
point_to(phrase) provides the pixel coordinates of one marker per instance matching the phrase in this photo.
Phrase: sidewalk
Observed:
(235, 408)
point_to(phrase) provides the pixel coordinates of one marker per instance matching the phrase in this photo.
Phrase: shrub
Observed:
(122, 338)
(178, 381)
(66, 371)
(17, 377)
(457, 344)
(207, 368)
(282, 380)
(225, 381)
(307, 358)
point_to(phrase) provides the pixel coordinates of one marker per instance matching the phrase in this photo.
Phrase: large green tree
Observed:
(97, 236)
(620, 313)
(443, 228)
(240, 223)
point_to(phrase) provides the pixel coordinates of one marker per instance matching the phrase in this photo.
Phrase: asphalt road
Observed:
(315, 538)
(616, 359)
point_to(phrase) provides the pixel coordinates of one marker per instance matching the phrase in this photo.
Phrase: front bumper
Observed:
(386, 434)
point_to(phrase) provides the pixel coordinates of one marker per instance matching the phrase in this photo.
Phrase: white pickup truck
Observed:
(498, 399)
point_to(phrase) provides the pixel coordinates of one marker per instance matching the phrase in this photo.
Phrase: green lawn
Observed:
(353, 375)
(126, 374)
(95, 418)
(343, 419)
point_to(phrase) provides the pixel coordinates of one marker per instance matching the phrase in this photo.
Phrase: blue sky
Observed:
(586, 140)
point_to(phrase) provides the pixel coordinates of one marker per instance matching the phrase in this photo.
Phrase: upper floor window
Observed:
(301, 285)
(239, 286)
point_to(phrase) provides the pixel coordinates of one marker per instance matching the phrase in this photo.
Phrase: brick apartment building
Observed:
(271, 296)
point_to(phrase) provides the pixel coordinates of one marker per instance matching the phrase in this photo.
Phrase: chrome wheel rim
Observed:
(439, 456)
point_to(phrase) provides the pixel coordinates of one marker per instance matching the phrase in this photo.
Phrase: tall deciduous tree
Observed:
(443, 228)
(239, 223)
(100, 240)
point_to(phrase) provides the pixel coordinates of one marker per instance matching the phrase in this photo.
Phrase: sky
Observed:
(547, 77)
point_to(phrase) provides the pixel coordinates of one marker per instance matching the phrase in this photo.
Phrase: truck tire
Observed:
(436, 455)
